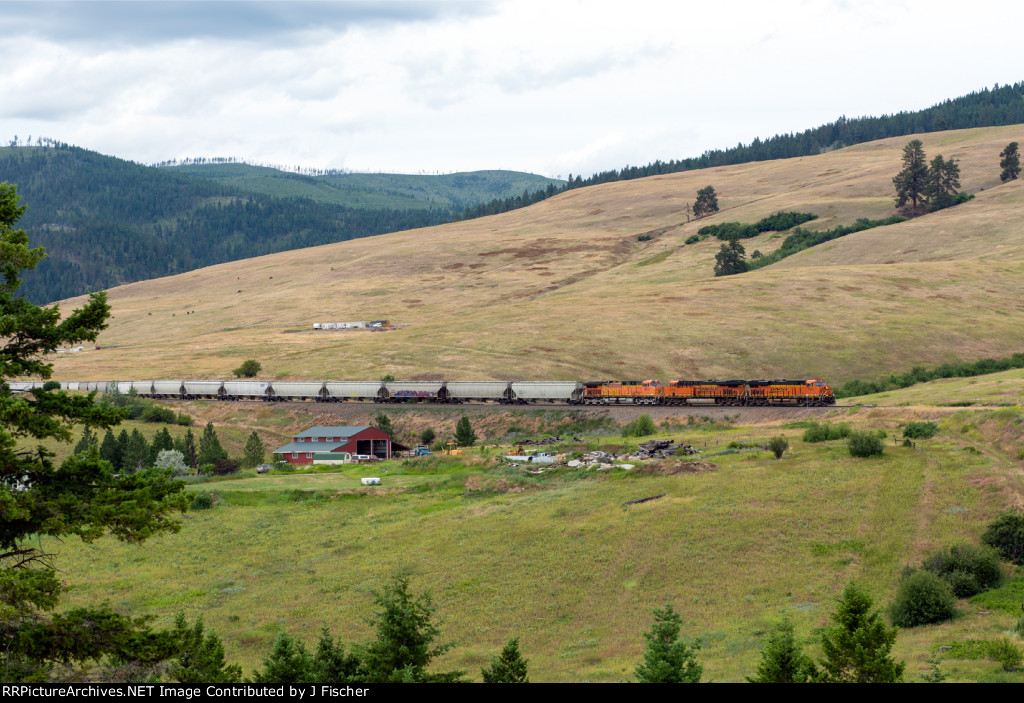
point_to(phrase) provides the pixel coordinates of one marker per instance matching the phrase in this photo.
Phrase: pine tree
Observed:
(109, 451)
(202, 656)
(507, 667)
(857, 649)
(943, 182)
(783, 660)
(464, 433)
(911, 182)
(161, 442)
(405, 638)
(210, 451)
(88, 439)
(383, 423)
(122, 449)
(136, 454)
(666, 658)
(254, 451)
(706, 202)
(1010, 162)
(330, 664)
(82, 497)
(289, 662)
(731, 259)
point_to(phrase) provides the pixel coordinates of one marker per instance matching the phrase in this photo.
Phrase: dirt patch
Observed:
(483, 484)
(671, 467)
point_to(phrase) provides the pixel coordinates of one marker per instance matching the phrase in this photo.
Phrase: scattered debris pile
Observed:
(546, 441)
(660, 449)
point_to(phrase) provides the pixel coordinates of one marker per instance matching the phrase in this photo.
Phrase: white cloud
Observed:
(549, 87)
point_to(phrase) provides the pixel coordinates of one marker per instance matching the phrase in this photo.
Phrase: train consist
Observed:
(800, 392)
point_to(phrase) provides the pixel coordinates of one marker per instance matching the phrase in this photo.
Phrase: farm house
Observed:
(360, 439)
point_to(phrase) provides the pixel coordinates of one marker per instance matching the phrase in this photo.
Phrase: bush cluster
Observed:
(774, 223)
(968, 569)
(1006, 534)
(920, 430)
(825, 432)
(864, 444)
(921, 599)
(643, 426)
(920, 374)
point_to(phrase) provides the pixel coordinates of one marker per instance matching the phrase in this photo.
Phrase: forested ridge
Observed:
(105, 221)
(998, 106)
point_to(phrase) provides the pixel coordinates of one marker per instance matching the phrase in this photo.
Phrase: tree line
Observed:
(1000, 105)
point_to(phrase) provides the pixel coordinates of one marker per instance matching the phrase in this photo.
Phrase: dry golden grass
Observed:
(555, 290)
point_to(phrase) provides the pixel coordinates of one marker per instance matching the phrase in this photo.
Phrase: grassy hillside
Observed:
(106, 221)
(558, 560)
(564, 289)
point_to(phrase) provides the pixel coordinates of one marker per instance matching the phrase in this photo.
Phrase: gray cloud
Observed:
(156, 21)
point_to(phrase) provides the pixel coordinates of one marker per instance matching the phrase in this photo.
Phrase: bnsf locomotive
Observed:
(809, 392)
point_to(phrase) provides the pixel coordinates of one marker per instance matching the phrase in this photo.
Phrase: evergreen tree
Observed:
(706, 202)
(666, 658)
(943, 182)
(254, 451)
(405, 638)
(330, 664)
(911, 182)
(857, 648)
(88, 439)
(783, 659)
(191, 455)
(507, 667)
(427, 437)
(383, 423)
(1010, 162)
(109, 451)
(210, 451)
(202, 656)
(122, 449)
(464, 433)
(731, 259)
(289, 662)
(161, 442)
(82, 497)
(136, 454)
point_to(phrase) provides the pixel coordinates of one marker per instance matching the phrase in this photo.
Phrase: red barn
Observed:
(354, 440)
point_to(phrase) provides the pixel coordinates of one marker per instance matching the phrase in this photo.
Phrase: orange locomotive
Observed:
(615, 392)
(805, 392)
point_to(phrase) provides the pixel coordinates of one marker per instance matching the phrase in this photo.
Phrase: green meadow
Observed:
(557, 559)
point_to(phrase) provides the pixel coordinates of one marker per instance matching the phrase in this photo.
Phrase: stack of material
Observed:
(660, 449)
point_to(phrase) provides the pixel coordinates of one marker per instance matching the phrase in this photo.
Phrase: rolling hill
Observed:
(106, 221)
(565, 289)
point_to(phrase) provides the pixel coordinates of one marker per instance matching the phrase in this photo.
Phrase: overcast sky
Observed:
(552, 87)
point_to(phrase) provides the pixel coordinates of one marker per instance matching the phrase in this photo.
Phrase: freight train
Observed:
(780, 392)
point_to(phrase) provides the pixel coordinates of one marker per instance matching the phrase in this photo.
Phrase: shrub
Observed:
(427, 436)
(184, 420)
(920, 430)
(201, 501)
(640, 427)
(223, 467)
(51, 386)
(864, 444)
(154, 413)
(693, 239)
(1006, 534)
(248, 369)
(922, 598)
(778, 446)
(967, 568)
(1006, 653)
(826, 432)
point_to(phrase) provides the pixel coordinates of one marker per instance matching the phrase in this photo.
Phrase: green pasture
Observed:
(558, 560)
